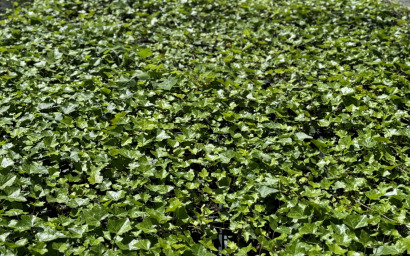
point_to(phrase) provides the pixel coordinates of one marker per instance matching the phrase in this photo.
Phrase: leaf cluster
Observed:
(125, 125)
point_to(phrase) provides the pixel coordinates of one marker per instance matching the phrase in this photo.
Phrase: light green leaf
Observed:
(95, 215)
(146, 226)
(143, 244)
(7, 180)
(356, 221)
(119, 227)
(162, 135)
(26, 222)
(68, 108)
(297, 213)
(6, 162)
(168, 83)
(78, 231)
(387, 250)
(302, 136)
(95, 176)
(264, 191)
(347, 91)
(49, 234)
(174, 204)
(115, 195)
(144, 52)
(37, 169)
(200, 250)
(141, 75)
(13, 194)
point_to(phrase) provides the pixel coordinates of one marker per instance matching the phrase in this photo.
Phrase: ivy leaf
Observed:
(182, 214)
(302, 136)
(6, 162)
(356, 221)
(78, 231)
(346, 90)
(95, 175)
(174, 204)
(141, 75)
(168, 83)
(144, 52)
(226, 156)
(297, 213)
(7, 180)
(208, 244)
(119, 227)
(26, 223)
(115, 195)
(142, 244)
(146, 226)
(200, 250)
(265, 191)
(118, 118)
(69, 108)
(37, 169)
(95, 215)
(49, 234)
(162, 135)
(387, 250)
(13, 194)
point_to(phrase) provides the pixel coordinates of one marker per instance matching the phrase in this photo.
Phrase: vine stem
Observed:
(384, 216)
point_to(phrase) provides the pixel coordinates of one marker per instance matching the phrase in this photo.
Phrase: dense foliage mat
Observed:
(144, 127)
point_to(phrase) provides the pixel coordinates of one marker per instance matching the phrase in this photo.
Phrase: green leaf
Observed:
(126, 82)
(6, 180)
(37, 169)
(174, 204)
(207, 242)
(115, 195)
(182, 215)
(347, 91)
(265, 191)
(226, 156)
(168, 83)
(356, 221)
(297, 213)
(142, 244)
(77, 231)
(95, 175)
(69, 108)
(302, 136)
(119, 118)
(95, 215)
(13, 194)
(49, 234)
(119, 227)
(6, 162)
(387, 250)
(162, 135)
(336, 249)
(146, 226)
(26, 223)
(141, 75)
(200, 250)
(244, 250)
(144, 52)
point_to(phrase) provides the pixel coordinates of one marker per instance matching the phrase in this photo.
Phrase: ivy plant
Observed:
(145, 127)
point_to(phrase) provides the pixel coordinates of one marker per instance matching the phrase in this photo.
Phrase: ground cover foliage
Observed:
(125, 124)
